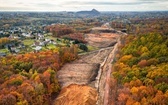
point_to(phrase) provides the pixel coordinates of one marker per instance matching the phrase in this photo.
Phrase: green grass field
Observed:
(51, 46)
(91, 48)
(28, 42)
(4, 50)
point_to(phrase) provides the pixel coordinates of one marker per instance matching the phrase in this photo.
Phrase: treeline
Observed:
(141, 71)
(74, 30)
(68, 33)
(77, 37)
(143, 26)
(59, 30)
(30, 79)
(4, 41)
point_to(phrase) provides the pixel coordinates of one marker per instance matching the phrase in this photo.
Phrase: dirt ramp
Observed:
(77, 95)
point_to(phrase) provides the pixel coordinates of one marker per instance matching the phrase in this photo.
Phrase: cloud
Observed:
(107, 3)
(154, 0)
(14, 8)
(46, 5)
(115, 3)
(76, 5)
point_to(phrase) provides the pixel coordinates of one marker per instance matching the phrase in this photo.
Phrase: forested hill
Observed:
(141, 71)
(92, 12)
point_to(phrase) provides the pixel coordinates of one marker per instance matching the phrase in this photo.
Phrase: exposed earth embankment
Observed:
(83, 81)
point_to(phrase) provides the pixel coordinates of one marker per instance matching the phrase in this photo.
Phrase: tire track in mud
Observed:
(103, 83)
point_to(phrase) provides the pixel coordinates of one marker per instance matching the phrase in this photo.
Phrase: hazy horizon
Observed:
(77, 11)
(72, 5)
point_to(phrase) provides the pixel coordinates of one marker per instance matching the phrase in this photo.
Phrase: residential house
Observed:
(37, 48)
(1, 32)
(26, 34)
(2, 54)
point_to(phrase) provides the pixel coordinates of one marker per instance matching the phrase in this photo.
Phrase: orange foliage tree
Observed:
(31, 78)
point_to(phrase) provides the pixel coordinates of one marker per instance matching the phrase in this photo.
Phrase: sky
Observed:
(77, 5)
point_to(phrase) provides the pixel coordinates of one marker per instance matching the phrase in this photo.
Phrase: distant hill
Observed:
(92, 12)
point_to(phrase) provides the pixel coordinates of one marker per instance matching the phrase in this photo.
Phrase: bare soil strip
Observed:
(84, 70)
(91, 70)
(77, 95)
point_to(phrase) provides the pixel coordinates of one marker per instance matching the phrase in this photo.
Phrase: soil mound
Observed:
(77, 95)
